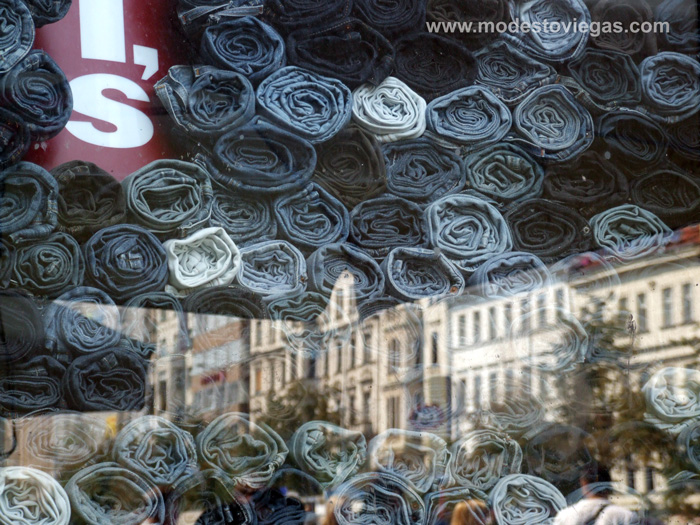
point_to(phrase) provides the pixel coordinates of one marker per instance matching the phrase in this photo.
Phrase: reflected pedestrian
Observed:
(471, 512)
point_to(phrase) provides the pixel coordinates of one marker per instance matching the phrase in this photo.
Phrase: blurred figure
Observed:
(472, 512)
(329, 518)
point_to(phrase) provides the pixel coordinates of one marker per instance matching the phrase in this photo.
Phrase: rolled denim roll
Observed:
(509, 274)
(28, 209)
(244, 45)
(638, 44)
(156, 449)
(327, 264)
(509, 73)
(482, 457)
(66, 440)
(137, 324)
(108, 493)
(433, 65)
(261, 158)
(351, 166)
(22, 330)
(688, 443)
(671, 86)
(672, 397)
(246, 218)
(670, 194)
(550, 124)
(49, 267)
(364, 497)
(106, 380)
(682, 35)
(80, 322)
(30, 385)
(448, 11)
(126, 260)
(313, 106)
(311, 218)
(234, 301)
(30, 496)
(7, 263)
(387, 222)
(391, 111)
(329, 453)
(38, 91)
(169, 197)
(15, 138)
(548, 229)
(196, 15)
(504, 173)
(17, 33)
(289, 15)
(89, 199)
(222, 445)
(471, 116)
(521, 499)
(348, 50)
(611, 79)
(684, 142)
(629, 232)
(469, 231)
(274, 507)
(589, 183)
(634, 138)
(273, 269)
(48, 11)
(557, 44)
(423, 170)
(206, 258)
(391, 18)
(516, 415)
(441, 504)
(206, 102)
(417, 273)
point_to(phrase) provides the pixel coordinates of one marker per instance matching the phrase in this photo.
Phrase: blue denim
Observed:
(682, 17)
(17, 33)
(206, 102)
(273, 507)
(391, 19)
(669, 193)
(28, 209)
(22, 329)
(471, 116)
(459, 11)
(639, 44)
(313, 106)
(632, 137)
(518, 497)
(136, 322)
(509, 73)
(125, 261)
(244, 45)
(38, 91)
(684, 143)
(551, 125)
(7, 263)
(15, 138)
(234, 301)
(47, 11)
(30, 385)
(423, 169)
(509, 274)
(290, 15)
(272, 269)
(671, 86)
(196, 15)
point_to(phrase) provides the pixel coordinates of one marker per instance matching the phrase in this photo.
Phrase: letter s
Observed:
(134, 128)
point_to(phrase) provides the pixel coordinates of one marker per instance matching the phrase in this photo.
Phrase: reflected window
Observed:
(366, 350)
(311, 369)
(493, 387)
(642, 325)
(462, 329)
(477, 327)
(339, 357)
(258, 380)
(434, 347)
(394, 353)
(507, 317)
(524, 311)
(667, 305)
(477, 392)
(492, 323)
(542, 312)
(258, 333)
(687, 292)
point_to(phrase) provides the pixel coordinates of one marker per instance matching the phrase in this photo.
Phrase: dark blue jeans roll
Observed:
(80, 322)
(684, 143)
(7, 263)
(14, 138)
(671, 194)
(272, 269)
(633, 138)
(416, 273)
(206, 102)
(124, 261)
(504, 173)
(28, 208)
(244, 45)
(170, 198)
(470, 116)
(89, 199)
(589, 183)
(433, 65)
(105, 381)
(682, 17)
(351, 166)
(261, 158)
(467, 230)
(196, 15)
(638, 45)
(49, 267)
(34, 384)
(17, 33)
(290, 15)
(313, 106)
(423, 169)
(137, 323)
(311, 218)
(552, 125)
(38, 91)
(387, 222)
(48, 11)
(273, 507)
(234, 301)
(558, 44)
(671, 86)
(348, 50)
(509, 73)
(327, 264)
(392, 18)
(494, 11)
(22, 330)
(548, 229)
(509, 274)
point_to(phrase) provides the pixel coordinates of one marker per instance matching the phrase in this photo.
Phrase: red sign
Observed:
(112, 52)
